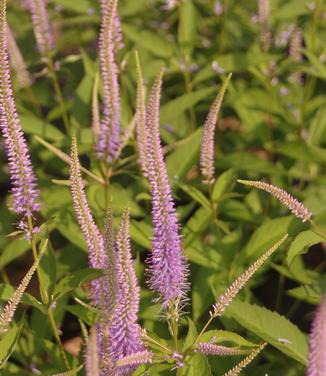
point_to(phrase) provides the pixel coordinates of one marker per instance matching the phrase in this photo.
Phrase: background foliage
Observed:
(270, 129)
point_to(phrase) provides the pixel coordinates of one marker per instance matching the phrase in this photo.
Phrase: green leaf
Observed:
(301, 243)
(82, 6)
(153, 43)
(187, 25)
(266, 235)
(47, 271)
(191, 335)
(272, 327)
(198, 365)
(12, 251)
(195, 194)
(196, 225)
(87, 315)
(75, 280)
(141, 233)
(311, 294)
(223, 184)
(33, 125)
(176, 107)
(222, 336)
(180, 161)
(8, 342)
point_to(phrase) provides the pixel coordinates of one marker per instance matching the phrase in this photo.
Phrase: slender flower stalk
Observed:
(241, 365)
(167, 265)
(296, 207)
(317, 342)
(209, 348)
(207, 159)
(264, 21)
(41, 26)
(17, 61)
(295, 52)
(7, 314)
(109, 133)
(141, 131)
(96, 249)
(124, 331)
(24, 187)
(232, 291)
(91, 355)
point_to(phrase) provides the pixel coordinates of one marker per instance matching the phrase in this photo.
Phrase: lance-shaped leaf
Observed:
(207, 159)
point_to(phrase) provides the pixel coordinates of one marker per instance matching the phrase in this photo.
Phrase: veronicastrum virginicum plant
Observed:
(116, 343)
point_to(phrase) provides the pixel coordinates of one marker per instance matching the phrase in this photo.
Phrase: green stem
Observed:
(174, 330)
(57, 338)
(44, 295)
(58, 93)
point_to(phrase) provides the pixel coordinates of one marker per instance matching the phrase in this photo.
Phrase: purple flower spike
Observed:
(317, 342)
(41, 26)
(24, 187)
(96, 249)
(109, 132)
(124, 331)
(207, 159)
(167, 265)
(17, 61)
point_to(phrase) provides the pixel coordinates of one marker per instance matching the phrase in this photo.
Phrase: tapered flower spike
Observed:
(141, 131)
(109, 133)
(317, 342)
(97, 255)
(232, 291)
(136, 359)
(124, 331)
(296, 207)
(241, 365)
(208, 348)
(95, 108)
(91, 355)
(264, 21)
(7, 314)
(17, 61)
(23, 181)
(41, 26)
(295, 52)
(207, 159)
(167, 265)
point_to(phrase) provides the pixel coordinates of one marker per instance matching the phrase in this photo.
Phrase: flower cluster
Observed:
(317, 342)
(285, 198)
(167, 264)
(23, 180)
(108, 138)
